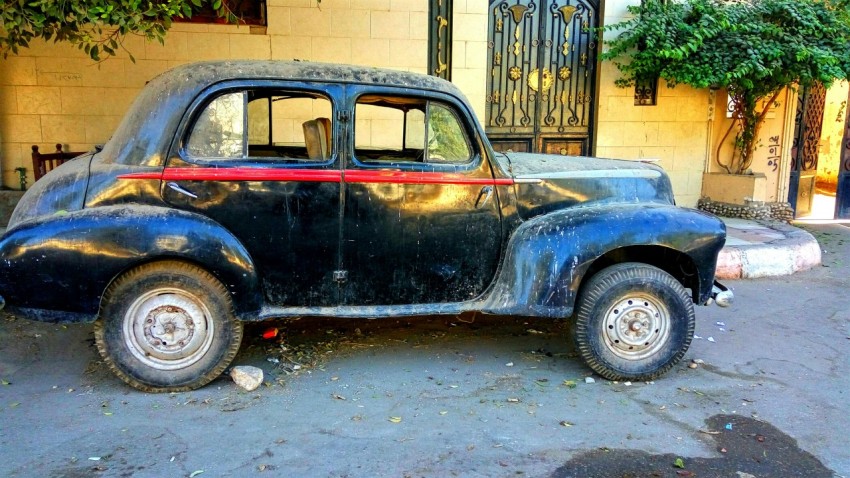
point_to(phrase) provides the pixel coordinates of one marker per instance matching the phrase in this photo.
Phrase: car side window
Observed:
(408, 130)
(264, 124)
(446, 141)
(218, 131)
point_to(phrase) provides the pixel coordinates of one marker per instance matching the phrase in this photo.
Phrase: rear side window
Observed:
(408, 130)
(219, 132)
(263, 124)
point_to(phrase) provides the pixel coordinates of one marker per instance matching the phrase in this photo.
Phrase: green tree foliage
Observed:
(754, 48)
(96, 26)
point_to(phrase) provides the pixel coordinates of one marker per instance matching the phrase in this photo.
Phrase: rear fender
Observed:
(65, 262)
(548, 257)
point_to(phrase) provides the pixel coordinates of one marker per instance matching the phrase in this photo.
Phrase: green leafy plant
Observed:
(753, 48)
(96, 26)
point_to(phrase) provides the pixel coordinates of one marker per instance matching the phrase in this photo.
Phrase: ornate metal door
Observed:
(804, 152)
(541, 87)
(842, 195)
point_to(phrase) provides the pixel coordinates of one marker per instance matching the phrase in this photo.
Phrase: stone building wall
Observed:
(674, 131)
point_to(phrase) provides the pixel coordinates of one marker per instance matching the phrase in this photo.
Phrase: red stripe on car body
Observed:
(314, 175)
(241, 174)
(401, 177)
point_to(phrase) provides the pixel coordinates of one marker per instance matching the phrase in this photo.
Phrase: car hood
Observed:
(548, 182)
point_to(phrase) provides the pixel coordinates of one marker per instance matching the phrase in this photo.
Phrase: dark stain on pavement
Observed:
(748, 448)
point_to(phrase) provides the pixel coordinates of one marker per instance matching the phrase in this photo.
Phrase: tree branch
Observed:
(720, 146)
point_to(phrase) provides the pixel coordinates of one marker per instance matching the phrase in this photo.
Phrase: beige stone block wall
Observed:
(53, 93)
(674, 132)
(469, 52)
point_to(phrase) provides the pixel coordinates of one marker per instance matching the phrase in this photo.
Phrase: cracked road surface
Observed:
(456, 396)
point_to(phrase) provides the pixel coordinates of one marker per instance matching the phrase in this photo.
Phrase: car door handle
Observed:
(176, 187)
(484, 197)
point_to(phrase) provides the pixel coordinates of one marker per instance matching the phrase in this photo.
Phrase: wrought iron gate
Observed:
(804, 152)
(842, 195)
(542, 82)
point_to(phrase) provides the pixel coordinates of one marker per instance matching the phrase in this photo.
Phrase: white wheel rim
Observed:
(636, 327)
(168, 329)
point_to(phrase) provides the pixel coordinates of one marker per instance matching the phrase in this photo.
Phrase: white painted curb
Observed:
(798, 251)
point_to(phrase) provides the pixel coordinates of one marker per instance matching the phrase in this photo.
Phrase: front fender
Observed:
(548, 256)
(65, 262)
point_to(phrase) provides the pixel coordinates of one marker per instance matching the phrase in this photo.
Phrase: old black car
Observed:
(242, 191)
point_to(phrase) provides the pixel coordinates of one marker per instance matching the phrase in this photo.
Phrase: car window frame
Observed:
(455, 106)
(329, 91)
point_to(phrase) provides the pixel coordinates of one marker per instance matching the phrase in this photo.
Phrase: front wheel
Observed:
(167, 327)
(633, 322)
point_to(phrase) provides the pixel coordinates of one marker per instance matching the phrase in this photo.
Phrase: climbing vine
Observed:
(753, 48)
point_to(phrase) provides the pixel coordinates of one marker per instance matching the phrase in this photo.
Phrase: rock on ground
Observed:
(247, 377)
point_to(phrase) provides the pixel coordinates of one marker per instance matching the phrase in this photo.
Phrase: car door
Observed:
(421, 219)
(261, 159)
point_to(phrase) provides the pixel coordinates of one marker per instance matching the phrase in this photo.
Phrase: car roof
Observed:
(209, 72)
(144, 134)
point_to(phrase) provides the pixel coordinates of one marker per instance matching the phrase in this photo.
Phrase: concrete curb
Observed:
(797, 251)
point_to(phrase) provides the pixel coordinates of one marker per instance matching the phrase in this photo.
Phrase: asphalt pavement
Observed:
(457, 396)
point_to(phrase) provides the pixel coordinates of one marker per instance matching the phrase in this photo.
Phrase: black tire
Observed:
(633, 322)
(167, 327)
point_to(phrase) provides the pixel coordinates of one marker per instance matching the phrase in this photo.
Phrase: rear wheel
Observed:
(633, 322)
(167, 327)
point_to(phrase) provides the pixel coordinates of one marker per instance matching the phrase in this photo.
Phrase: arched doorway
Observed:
(542, 81)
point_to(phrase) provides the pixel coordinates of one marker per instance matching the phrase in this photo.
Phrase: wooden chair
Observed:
(43, 163)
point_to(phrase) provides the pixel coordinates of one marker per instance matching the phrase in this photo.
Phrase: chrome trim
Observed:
(527, 180)
(596, 173)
